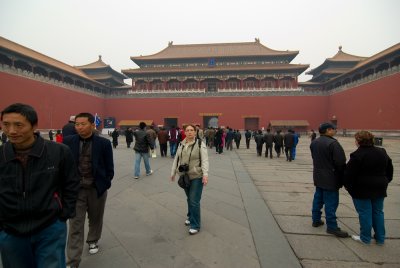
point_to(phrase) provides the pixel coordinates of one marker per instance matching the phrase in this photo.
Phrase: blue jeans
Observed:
(172, 148)
(370, 215)
(329, 198)
(193, 195)
(41, 250)
(138, 158)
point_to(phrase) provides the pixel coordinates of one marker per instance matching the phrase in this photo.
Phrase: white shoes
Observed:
(151, 172)
(93, 248)
(193, 231)
(187, 222)
(358, 239)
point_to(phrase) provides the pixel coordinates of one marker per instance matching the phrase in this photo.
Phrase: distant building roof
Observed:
(339, 57)
(215, 50)
(273, 67)
(99, 65)
(27, 52)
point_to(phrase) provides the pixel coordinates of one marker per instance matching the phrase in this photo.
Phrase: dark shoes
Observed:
(337, 232)
(317, 223)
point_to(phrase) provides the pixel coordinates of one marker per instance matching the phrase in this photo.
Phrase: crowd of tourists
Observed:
(78, 172)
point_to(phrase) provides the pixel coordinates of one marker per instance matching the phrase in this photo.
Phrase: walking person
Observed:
(93, 156)
(278, 140)
(259, 139)
(229, 139)
(367, 176)
(211, 137)
(313, 135)
(173, 140)
(219, 143)
(128, 137)
(247, 135)
(59, 136)
(69, 128)
(115, 135)
(192, 159)
(329, 162)
(163, 141)
(269, 141)
(33, 231)
(238, 138)
(288, 140)
(296, 141)
(51, 135)
(143, 142)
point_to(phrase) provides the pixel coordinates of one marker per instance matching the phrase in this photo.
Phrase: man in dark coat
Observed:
(278, 140)
(288, 140)
(129, 137)
(39, 187)
(269, 140)
(143, 142)
(247, 135)
(69, 128)
(259, 139)
(93, 156)
(329, 162)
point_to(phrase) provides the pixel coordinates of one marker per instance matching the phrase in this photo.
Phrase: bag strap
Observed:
(199, 143)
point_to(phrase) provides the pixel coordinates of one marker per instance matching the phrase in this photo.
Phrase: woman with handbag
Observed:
(367, 176)
(191, 159)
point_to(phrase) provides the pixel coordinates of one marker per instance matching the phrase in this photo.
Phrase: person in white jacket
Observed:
(192, 158)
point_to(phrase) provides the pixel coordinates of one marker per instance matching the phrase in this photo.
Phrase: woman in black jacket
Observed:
(367, 176)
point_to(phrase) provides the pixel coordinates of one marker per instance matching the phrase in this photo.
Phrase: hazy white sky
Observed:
(77, 31)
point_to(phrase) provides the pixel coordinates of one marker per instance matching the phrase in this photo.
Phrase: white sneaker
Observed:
(187, 222)
(93, 248)
(358, 239)
(193, 231)
(151, 172)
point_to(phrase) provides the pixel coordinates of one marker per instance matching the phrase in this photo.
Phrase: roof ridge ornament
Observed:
(99, 57)
(170, 43)
(257, 40)
(340, 47)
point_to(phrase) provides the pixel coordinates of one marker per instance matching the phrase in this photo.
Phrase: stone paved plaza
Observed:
(256, 212)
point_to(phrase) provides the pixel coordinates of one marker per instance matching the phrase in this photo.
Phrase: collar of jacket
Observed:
(36, 150)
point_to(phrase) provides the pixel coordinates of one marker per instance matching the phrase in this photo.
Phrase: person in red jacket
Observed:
(59, 136)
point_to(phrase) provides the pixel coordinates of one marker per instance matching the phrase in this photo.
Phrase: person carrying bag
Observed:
(191, 164)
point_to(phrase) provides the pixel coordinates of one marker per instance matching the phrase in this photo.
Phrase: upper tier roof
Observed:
(100, 65)
(215, 50)
(340, 56)
(201, 69)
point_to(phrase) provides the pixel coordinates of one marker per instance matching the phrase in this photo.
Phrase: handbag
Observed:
(184, 181)
(153, 154)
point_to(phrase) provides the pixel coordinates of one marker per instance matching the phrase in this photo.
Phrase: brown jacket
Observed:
(163, 136)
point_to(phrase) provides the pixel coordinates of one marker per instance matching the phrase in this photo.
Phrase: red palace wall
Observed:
(53, 104)
(233, 109)
(373, 106)
(370, 106)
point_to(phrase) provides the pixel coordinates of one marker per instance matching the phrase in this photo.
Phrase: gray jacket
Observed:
(329, 163)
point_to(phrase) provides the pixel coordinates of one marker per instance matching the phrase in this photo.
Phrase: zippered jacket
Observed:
(32, 199)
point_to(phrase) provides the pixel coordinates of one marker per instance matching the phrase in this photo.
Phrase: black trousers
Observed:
(248, 143)
(163, 149)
